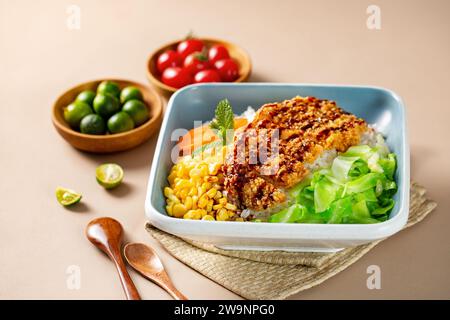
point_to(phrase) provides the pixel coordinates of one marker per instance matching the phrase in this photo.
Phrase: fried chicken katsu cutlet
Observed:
(306, 130)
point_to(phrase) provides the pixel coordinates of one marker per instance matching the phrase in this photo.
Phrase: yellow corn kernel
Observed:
(239, 219)
(193, 191)
(201, 212)
(192, 215)
(218, 195)
(217, 207)
(188, 203)
(179, 210)
(223, 201)
(195, 174)
(208, 217)
(171, 177)
(203, 168)
(194, 202)
(169, 209)
(199, 166)
(222, 215)
(168, 191)
(211, 193)
(186, 171)
(207, 185)
(183, 193)
(230, 213)
(189, 215)
(231, 206)
(183, 183)
(173, 198)
(203, 201)
(209, 206)
(180, 171)
(200, 191)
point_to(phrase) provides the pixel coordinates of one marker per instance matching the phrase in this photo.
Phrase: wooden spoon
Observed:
(145, 261)
(106, 234)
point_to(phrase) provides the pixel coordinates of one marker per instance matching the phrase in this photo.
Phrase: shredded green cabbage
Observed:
(357, 188)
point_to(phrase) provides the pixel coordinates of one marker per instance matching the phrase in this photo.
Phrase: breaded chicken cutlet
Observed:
(307, 127)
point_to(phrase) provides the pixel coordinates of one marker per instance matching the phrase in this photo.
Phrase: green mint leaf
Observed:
(224, 120)
(214, 125)
(224, 115)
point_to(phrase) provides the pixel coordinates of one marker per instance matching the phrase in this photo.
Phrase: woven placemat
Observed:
(274, 274)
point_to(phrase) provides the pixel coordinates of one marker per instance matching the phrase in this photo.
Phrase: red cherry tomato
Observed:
(217, 52)
(189, 46)
(207, 76)
(170, 58)
(228, 69)
(196, 62)
(176, 77)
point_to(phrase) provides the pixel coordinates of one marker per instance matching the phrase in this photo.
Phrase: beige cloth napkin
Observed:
(274, 274)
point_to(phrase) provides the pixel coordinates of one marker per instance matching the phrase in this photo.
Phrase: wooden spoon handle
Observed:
(127, 283)
(177, 295)
(166, 283)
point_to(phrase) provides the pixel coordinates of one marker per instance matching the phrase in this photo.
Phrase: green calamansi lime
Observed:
(109, 87)
(76, 111)
(86, 96)
(67, 197)
(93, 124)
(120, 122)
(137, 110)
(130, 93)
(106, 105)
(109, 175)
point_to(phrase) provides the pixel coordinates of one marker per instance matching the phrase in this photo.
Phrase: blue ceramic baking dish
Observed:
(379, 107)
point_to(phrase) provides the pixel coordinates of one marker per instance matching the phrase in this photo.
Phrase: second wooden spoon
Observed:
(145, 261)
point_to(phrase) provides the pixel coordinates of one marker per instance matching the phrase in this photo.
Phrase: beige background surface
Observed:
(289, 41)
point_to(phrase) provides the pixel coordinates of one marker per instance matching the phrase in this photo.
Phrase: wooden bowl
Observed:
(109, 142)
(237, 53)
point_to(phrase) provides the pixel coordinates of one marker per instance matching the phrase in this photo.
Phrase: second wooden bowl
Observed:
(236, 52)
(110, 142)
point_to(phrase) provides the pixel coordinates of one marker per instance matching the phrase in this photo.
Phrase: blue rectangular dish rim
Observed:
(265, 230)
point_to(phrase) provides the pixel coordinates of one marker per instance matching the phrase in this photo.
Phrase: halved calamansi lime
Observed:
(109, 175)
(67, 197)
